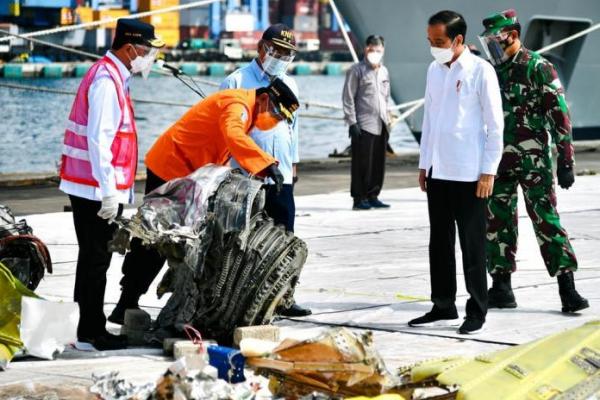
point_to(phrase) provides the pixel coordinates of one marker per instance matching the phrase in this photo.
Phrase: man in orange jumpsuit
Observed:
(212, 131)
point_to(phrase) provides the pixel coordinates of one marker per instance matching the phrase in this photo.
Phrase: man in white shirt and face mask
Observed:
(461, 146)
(98, 167)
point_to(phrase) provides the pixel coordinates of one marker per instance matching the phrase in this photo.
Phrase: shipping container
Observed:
(196, 16)
(9, 8)
(189, 32)
(298, 35)
(334, 41)
(169, 36)
(298, 7)
(83, 15)
(39, 17)
(148, 5)
(48, 3)
(96, 39)
(110, 13)
(12, 28)
(306, 23)
(248, 40)
(66, 16)
(239, 22)
(307, 7)
(168, 20)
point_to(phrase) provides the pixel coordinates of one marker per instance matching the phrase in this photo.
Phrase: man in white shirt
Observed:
(98, 167)
(461, 147)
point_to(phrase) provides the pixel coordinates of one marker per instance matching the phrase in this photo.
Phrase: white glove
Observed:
(110, 208)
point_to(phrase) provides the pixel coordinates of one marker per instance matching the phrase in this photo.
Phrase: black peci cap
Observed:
(135, 32)
(281, 35)
(284, 99)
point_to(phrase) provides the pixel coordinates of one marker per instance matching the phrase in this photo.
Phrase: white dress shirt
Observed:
(104, 117)
(463, 123)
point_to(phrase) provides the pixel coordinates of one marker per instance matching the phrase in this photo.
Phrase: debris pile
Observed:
(229, 266)
(25, 255)
(179, 383)
(342, 364)
(338, 362)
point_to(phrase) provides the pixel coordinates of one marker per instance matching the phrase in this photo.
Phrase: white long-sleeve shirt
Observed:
(462, 135)
(104, 116)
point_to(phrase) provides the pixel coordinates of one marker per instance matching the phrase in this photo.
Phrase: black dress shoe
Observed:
(117, 316)
(436, 318)
(294, 311)
(361, 205)
(376, 203)
(471, 326)
(106, 341)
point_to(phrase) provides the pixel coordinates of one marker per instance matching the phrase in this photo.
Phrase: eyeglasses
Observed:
(144, 49)
(280, 53)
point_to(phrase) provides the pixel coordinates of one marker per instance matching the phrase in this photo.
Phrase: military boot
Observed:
(500, 295)
(570, 299)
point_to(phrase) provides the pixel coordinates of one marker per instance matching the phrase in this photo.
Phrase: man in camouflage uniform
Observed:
(534, 106)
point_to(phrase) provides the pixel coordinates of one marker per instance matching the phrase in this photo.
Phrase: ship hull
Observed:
(403, 23)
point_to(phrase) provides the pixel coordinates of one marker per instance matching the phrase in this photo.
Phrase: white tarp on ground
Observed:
(367, 269)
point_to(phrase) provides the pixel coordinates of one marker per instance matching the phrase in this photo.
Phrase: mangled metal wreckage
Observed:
(229, 265)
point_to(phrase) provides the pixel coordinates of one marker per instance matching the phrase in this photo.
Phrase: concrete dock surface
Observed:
(365, 270)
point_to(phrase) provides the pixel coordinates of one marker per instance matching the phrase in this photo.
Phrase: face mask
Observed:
(265, 118)
(276, 61)
(374, 57)
(143, 64)
(275, 66)
(443, 55)
(266, 121)
(495, 46)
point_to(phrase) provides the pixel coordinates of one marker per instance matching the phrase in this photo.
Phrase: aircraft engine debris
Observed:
(229, 266)
(25, 255)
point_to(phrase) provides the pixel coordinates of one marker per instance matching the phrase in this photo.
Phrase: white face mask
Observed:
(374, 57)
(275, 66)
(143, 64)
(443, 55)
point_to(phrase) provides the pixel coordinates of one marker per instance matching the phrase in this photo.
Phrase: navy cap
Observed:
(281, 35)
(135, 32)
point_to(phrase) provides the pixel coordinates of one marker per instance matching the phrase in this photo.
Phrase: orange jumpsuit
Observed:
(210, 132)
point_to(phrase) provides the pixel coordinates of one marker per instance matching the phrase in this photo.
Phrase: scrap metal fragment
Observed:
(229, 265)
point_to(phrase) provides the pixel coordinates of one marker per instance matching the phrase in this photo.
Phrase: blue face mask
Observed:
(275, 66)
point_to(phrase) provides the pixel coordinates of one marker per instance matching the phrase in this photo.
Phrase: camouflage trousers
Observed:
(540, 200)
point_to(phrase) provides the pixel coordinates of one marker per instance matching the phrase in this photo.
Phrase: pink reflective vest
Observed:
(75, 162)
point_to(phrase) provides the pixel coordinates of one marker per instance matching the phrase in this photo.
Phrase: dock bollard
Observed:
(333, 69)
(52, 71)
(12, 71)
(189, 68)
(216, 69)
(80, 70)
(302, 69)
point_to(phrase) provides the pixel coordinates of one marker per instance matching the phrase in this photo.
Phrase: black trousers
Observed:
(93, 260)
(142, 264)
(451, 203)
(281, 207)
(368, 165)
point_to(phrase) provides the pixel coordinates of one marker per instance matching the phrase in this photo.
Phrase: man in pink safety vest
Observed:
(98, 167)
